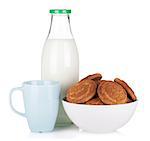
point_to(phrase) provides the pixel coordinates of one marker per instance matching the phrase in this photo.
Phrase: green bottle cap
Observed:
(60, 11)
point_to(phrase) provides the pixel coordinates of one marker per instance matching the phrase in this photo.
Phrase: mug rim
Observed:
(40, 83)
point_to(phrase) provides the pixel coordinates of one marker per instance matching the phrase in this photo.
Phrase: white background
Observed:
(113, 37)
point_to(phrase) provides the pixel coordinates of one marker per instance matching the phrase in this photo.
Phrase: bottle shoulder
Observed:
(60, 42)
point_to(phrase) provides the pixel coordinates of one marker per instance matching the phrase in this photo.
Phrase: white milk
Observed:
(60, 62)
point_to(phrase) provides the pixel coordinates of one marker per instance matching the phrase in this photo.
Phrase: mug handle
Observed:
(10, 100)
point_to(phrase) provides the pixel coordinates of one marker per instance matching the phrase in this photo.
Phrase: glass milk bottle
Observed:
(60, 60)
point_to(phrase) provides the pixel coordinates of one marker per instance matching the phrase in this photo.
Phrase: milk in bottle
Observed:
(60, 60)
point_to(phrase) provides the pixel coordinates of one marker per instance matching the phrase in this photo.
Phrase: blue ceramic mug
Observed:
(41, 102)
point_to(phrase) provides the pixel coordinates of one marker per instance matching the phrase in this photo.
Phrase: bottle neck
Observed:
(60, 27)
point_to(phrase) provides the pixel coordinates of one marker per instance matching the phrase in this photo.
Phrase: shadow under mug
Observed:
(41, 102)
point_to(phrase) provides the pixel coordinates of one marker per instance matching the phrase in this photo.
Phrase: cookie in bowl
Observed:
(82, 91)
(111, 93)
(128, 89)
(95, 101)
(96, 77)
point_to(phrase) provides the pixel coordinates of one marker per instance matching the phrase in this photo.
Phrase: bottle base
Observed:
(63, 124)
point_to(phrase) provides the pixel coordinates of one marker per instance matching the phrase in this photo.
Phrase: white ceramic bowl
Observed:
(99, 118)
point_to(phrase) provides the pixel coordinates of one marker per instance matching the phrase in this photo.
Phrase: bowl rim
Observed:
(86, 105)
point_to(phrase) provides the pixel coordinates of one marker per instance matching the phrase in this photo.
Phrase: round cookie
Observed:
(96, 77)
(112, 93)
(129, 91)
(81, 92)
(95, 101)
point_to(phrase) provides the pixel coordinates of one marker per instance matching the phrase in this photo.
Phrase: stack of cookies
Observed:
(91, 90)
